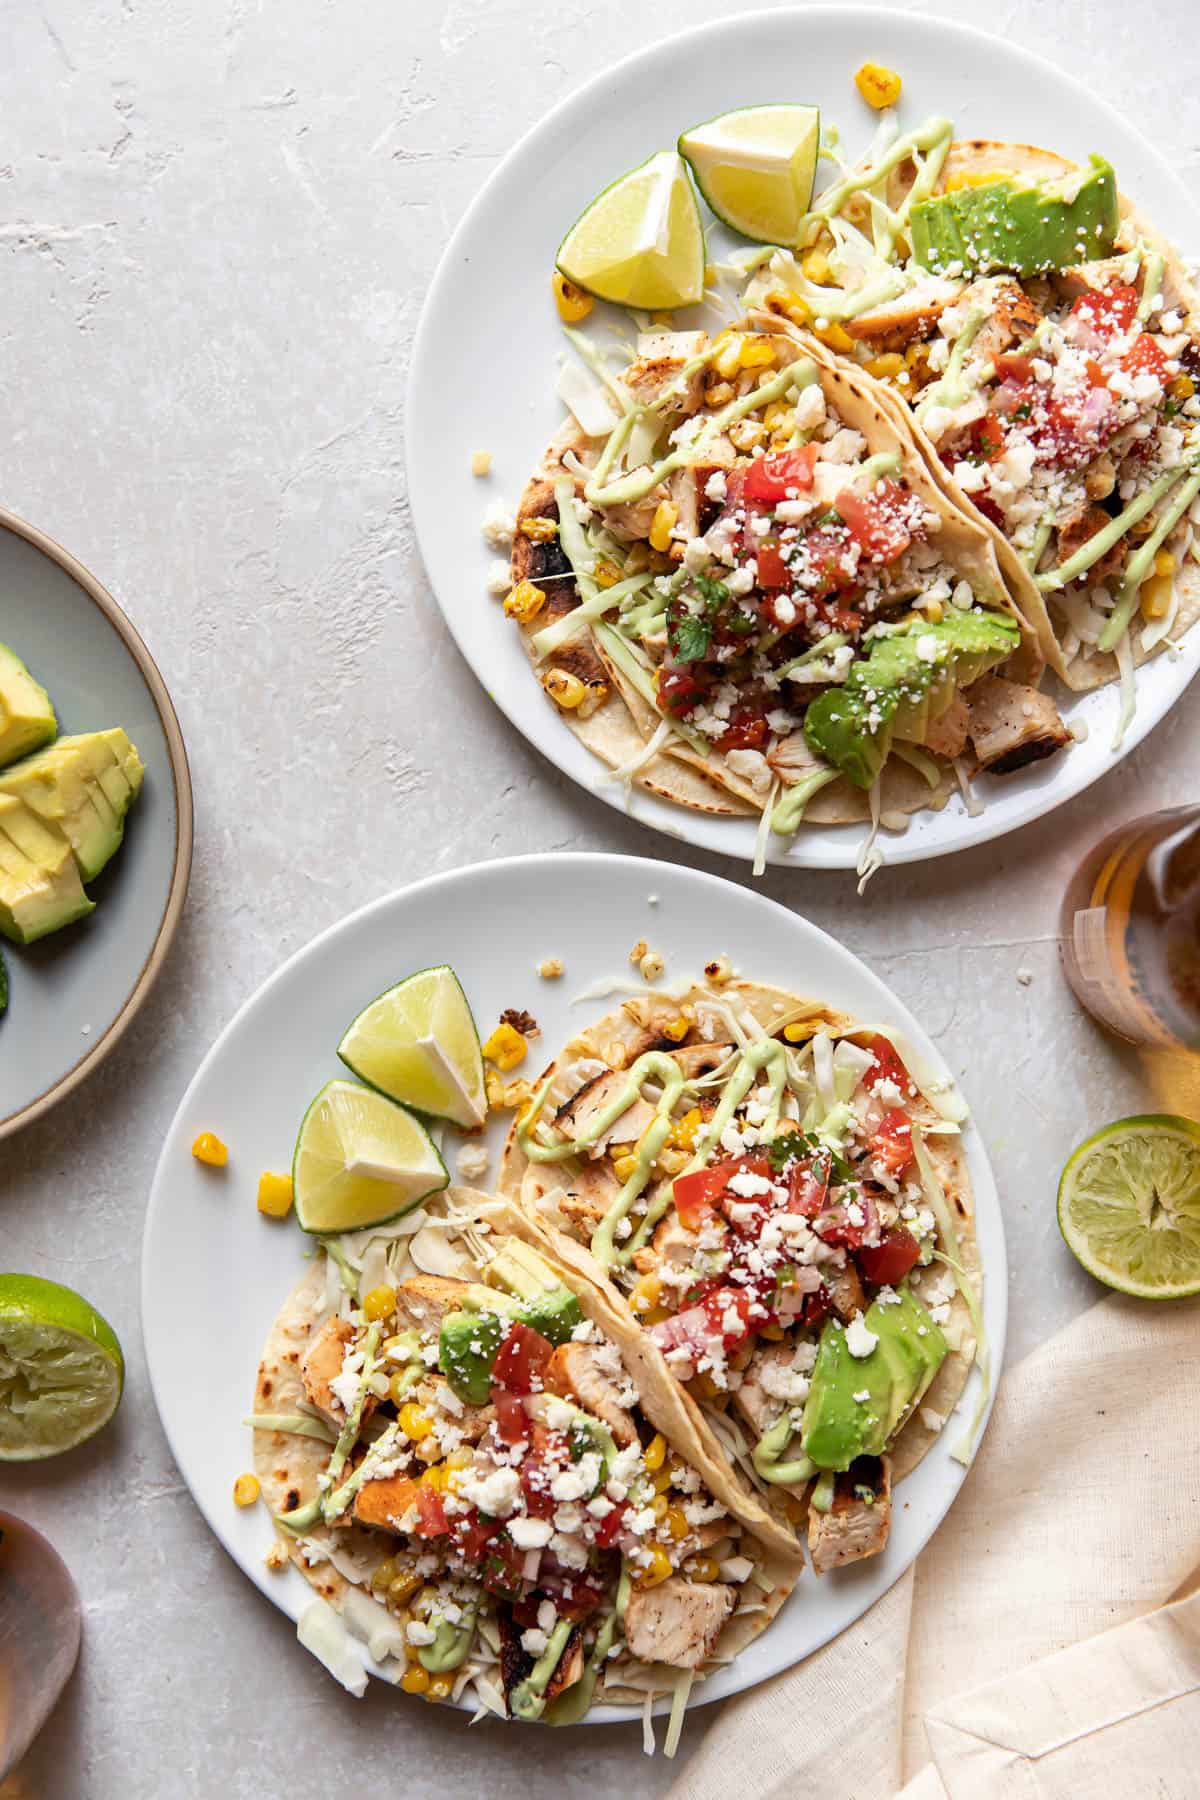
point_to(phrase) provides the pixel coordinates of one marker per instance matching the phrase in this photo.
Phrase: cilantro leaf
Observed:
(713, 593)
(690, 638)
(783, 1150)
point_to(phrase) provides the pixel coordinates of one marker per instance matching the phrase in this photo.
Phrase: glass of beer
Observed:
(1129, 931)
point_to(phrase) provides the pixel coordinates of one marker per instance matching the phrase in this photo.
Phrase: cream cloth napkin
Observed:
(1032, 1653)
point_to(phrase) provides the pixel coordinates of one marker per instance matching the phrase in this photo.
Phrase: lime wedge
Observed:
(1129, 1206)
(360, 1160)
(418, 1044)
(641, 242)
(755, 167)
(61, 1369)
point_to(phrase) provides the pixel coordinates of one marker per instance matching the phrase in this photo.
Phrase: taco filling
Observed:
(753, 569)
(783, 1208)
(466, 1465)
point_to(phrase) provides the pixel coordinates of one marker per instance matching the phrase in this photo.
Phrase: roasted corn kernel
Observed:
(701, 1568)
(538, 531)
(887, 366)
(747, 434)
(815, 265)
(800, 1030)
(718, 971)
(651, 966)
(1164, 563)
(757, 352)
(515, 1094)
(661, 1482)
(550, 968)
(774, 1334)
(655, 1453)
(727, 354)
(572, 302)
(934, 611)
(440, 1687)
(274, 1195)
(403, 1587)
(677, 1523)
(659, 1506)
(565, 689)
(878, 86)
(415, 1424)
(429, 1450)
(675, 1030)
(384, 1573)
(606, 574)
(624, 1167)
(399, 1387)
(246, 1490)
(506, 1047)
(719, 393)
(657, 1569)
(481, 462)
(415, 1679)
(209, 1149)
(379, 1303)
(1154, 596)
(836, 336)
(791, 306)
(524, 602)
(615, 1054)
(1182, 388)
(665, 516)
(672, 1162)
(683, 1131)
(646, 1295)
(638, 951)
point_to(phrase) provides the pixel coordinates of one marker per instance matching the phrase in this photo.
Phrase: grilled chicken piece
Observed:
(515, 1663)
(323, 1362)
(590, 1194)
(574, 1373)
(947, 736)
(908, 318)
(660, 361)
(570, 1665)
(384, 1503)
(545, 564)
(687, 488)
(576, 1114)
(758, 1407)
(1090, 277)
(677, 1622)
(1012, 317)
(846, 1293)
(424, 1300)
(1077, 529)
(700, 1059)
(1012, 725)
(854, 1527)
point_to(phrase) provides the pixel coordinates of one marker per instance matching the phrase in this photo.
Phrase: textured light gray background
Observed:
(218, 221)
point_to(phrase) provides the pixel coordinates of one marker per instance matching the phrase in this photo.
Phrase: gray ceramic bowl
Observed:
(73, 994)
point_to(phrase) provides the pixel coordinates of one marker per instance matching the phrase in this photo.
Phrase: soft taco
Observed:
(747, 593)
(1044, 341)
(479, 1463)
(777, 1194)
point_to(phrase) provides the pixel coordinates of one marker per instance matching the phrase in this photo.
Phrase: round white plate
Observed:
(214, 1272)
(485, 358)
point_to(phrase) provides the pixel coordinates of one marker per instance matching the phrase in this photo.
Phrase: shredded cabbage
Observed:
(683, 1687)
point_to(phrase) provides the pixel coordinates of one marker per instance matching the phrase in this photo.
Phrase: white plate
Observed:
(484, 361)
(214, 1272)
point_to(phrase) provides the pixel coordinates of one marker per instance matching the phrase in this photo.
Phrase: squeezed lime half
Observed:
(61, 1369)
(1129, 1206)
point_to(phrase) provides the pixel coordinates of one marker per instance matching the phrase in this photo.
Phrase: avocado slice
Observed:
(1026, 227)
(549, 1305)
(27, 718)
(896, 1376)
(467, 1346)
(81, 787)
(555, 1314)
(39, 893)
(905, 682)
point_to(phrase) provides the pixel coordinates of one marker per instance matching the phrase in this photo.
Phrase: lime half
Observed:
(61, 1369)
(755, 167)
(641, 242)
(361, 1159)
(1129, 1206)
(418, 1044)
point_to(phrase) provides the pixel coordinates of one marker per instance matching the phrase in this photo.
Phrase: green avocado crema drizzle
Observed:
(529, 1696)
(1141, 561)
(451, 1643)
(769, 1053)
(931, 140)
(770, 1448)
(1096, 547)
(952, 389)
(573, 1703)
(641, 482)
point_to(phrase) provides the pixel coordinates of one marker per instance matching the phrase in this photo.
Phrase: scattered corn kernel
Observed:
(676, 1471)
(701, 1568)
(415, 1680)
(746, 434)
(493, 1088)
(384, 1573)
(646, 1294)
(638, 951)
(565, 689)
(1142, 527)
(538, 531)
(616, 1055)
(800, 1030)
(506, 1047)
(718, 971)
(399, 1387)
(675, 1030)
(988, 178)
(379, 1303)
(606, 574)
(815, 265)
(662, 1481)
(677, 1523)
(572, 302)
(659, 1507)
(516, 1094)
(1164, 563)
(836, 336)
(437, 1476)
(1182, 388)
(1154, 597)
(665, 516)
(719, 393)
(246, 1490)
(658, 1568)
(886, 367)
(429, 1450)
(703, 1387)
(209, 1149)
(727, 354)
(274, 1195)
(683, 1131)
(403, 1587)
(791, 306)
(524, 602)
(277, 1557)
(625, 1167)
(878, 86)
(934, 611)
(757, 352)
(440, 1687)
(414, 1423)
(550, 968)
(779, 418)
(481, 462)
(651, 966)
(672, 1162)
(655, 1453)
